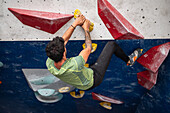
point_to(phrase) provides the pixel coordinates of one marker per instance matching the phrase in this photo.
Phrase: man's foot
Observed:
(134, 56)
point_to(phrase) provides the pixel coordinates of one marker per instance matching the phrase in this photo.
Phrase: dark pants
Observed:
(103, 61)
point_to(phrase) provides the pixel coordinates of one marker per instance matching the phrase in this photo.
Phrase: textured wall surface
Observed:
(150, 17)
(120, 81)
(21, 47)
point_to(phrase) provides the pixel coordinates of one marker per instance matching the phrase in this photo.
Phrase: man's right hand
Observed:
(79, 20)
(86, 25)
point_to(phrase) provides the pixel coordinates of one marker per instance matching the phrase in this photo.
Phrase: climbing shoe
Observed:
(134, 56)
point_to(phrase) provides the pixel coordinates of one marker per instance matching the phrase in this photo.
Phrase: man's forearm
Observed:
(88, 41)
(69, 32)
(86, 52)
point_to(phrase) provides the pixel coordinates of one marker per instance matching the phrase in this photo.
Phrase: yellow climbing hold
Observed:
(73, 94)
(77, 12)
(64, 89)
(86, 65)
(92, 24)
(91, 27)
(94, 47)
(106, 105)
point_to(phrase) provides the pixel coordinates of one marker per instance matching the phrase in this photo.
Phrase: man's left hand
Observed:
(79, 20)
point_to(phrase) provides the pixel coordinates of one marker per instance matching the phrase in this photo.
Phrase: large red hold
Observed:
(147, 79)
(45, 21)
(117, 25)
(154, 57)
(105, 99)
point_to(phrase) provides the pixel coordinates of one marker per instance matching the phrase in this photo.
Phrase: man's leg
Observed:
(103, 61)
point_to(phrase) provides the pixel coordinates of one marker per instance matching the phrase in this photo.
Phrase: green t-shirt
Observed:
(73, 72)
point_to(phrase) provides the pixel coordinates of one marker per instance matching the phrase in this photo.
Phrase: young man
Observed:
(72, 70)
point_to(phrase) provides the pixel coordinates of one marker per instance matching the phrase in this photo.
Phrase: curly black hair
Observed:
(55, 49)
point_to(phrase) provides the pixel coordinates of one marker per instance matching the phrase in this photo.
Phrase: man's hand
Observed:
(79, 20)
(86, 25)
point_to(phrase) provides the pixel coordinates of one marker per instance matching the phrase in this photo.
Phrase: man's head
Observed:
(55, 49)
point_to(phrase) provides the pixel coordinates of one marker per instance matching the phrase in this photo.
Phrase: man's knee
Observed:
(112, 45)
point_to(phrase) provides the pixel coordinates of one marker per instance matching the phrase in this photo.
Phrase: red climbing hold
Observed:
(147, 79)
(117, 25)
(46, 21)
(105, 99)
(154, 57)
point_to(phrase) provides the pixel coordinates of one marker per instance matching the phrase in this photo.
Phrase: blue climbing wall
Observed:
(120, 81)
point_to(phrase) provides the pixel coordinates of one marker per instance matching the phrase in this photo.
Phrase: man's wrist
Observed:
(74, 24)
(86, 30)
(73, 27)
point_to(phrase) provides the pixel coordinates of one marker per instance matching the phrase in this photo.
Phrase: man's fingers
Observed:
(80, 15)
(88, 21)
(83, 17)
(84, 20)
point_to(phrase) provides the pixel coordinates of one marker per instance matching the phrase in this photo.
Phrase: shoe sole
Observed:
(136, 57)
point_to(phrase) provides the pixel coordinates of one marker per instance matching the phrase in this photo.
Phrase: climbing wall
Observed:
(23, 47)
(149, 17)
(120, 81)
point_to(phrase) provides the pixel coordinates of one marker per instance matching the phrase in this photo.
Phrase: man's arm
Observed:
(79, 21)
(86, 52)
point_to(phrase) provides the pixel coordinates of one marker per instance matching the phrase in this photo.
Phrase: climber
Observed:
(72, 70)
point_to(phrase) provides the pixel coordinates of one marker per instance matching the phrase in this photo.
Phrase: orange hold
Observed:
(0, 82)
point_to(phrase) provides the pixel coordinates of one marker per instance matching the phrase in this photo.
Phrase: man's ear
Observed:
(64, 56)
